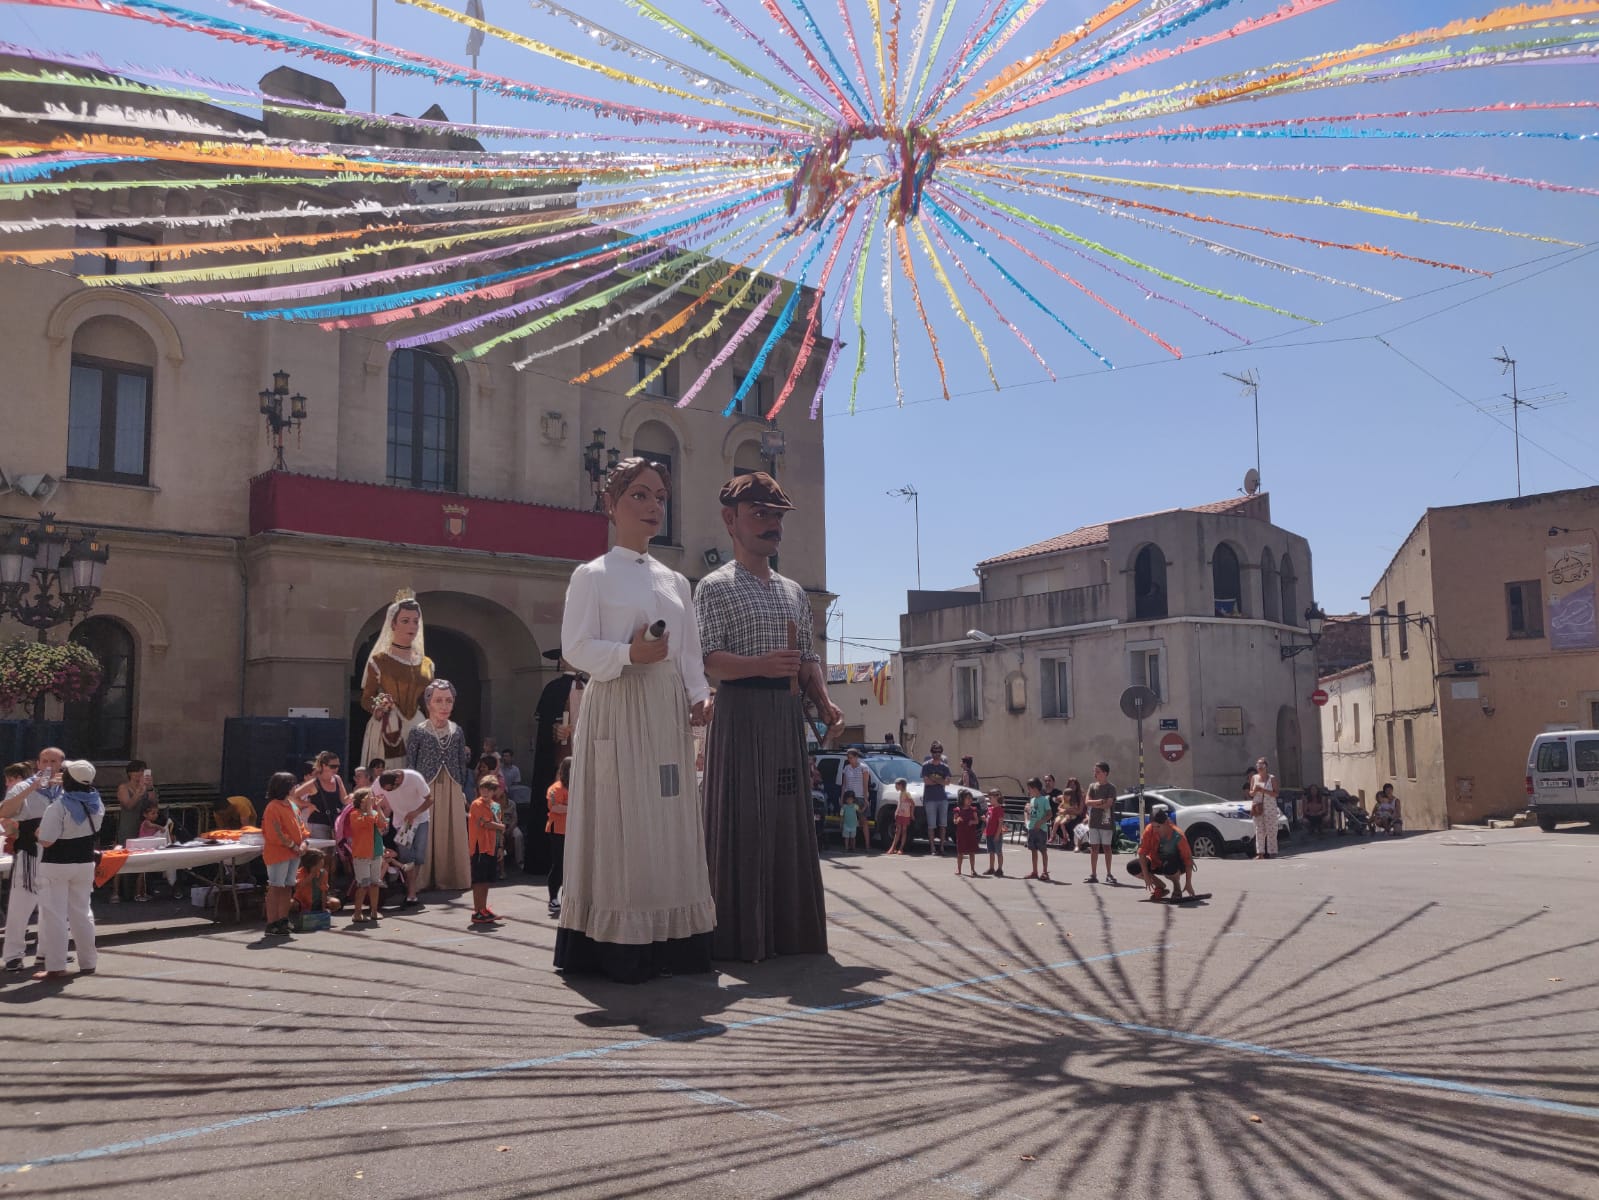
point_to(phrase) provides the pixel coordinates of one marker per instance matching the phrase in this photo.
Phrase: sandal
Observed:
(1031, 875)
(1092, 879)
(1044, 878)
(48, 976)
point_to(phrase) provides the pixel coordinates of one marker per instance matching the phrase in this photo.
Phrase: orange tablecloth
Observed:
(110, 863)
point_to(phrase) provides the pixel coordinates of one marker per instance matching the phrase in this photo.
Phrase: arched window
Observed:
(1270, 587)
(108, 407)
(747, 459)
(657, 443)
(1149, 584)
(1290, 591)
(424, 422)
(101, 727)
(1226, 582)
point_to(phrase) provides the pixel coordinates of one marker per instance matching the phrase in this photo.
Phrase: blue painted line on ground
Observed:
(1431, 1082)
(441, 1078)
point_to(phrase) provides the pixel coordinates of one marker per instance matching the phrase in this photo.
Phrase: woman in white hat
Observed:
(67, 833)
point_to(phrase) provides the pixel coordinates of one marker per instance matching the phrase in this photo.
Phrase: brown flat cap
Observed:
(755, 488)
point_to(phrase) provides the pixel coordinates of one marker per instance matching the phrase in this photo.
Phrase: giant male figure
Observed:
(757, 635)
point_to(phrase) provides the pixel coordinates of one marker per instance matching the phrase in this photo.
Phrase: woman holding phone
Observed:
(131, 794)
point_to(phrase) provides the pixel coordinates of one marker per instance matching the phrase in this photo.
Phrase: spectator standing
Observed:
(366, 824)
(29, 794)
(131, 793)
(284, 840)
(1263, 805)
(556, 798)
(327, 796)
(965, 819)
(67, 834)
(410, 805)
(994, 833)
(968, 776)
(481, 828)
(1038, 810)
(904, 811)
(935, 796)
(1101, 806)
(509, 771)
(850, 819)
(852, 777)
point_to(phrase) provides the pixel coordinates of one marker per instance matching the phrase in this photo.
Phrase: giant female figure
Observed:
(637, 893)
(397, 671)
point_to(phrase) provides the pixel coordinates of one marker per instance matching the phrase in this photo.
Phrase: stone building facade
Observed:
(237, 589)
(1195, 603)
(1483, 634)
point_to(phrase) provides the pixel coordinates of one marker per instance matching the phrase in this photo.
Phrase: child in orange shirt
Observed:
(480, 830)
(311, 885)
(556, 828)
(284, 841)
(364, 824)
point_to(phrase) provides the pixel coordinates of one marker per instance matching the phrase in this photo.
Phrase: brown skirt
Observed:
(760, 835)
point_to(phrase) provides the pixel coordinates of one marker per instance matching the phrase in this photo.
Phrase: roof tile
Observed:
(1097, 535)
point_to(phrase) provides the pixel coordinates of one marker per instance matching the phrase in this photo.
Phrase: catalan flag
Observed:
(880, 681)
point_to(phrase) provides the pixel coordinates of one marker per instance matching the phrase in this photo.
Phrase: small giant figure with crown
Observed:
(397, 672)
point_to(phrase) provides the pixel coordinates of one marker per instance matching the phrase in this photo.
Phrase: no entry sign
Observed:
(1172, 747)
(1318, 697)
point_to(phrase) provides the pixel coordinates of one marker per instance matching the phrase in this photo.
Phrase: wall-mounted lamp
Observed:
(1315, 619)
(774, 444)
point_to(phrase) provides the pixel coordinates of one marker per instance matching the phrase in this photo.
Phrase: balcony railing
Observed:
(282, 502)
(1013, 615)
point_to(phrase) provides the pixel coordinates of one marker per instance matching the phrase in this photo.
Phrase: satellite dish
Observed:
(1138, 702)
(1251, 481)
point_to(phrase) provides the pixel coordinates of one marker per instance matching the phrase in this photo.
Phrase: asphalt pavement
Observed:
(1391, 1018)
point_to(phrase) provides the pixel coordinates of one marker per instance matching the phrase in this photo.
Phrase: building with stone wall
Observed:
(1200, 604)
(1348, 733)
(235, 588)
(1483, 634)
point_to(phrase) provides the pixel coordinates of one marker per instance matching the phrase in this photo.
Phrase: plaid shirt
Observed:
(743, 614)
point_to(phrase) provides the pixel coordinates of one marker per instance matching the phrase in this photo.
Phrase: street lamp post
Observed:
(63, 571)
(910, 493)
(598, 459)
(774, 444)
(272, 405)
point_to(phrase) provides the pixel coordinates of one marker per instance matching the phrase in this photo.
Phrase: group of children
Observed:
(299, 878)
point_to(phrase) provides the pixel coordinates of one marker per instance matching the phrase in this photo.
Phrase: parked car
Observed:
(1214, 825)
(1563, 777)
(883, 767)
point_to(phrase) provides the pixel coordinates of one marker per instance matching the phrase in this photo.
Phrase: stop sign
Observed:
(1318, 697)
(1172, 747)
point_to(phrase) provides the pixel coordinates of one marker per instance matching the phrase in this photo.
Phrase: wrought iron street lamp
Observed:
(272, 405)
(63, 571)
(598, 460)
(1315, 619)
(774, 444)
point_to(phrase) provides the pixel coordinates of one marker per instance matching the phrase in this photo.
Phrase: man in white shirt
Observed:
(26, 802)
(1263, 804)
(409, 801)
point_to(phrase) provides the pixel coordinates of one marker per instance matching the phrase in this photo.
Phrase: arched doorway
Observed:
(456, 657)
(1289, 757)
(101, 727)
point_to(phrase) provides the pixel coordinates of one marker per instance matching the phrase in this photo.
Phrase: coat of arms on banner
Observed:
(455, 521)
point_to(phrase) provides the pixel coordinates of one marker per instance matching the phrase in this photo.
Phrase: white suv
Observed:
(1213, 825)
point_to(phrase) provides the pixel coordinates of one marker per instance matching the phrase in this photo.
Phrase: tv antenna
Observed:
(1508, 364)
(1250, 380)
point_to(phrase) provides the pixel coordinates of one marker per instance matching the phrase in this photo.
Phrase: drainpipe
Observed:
(244, 618)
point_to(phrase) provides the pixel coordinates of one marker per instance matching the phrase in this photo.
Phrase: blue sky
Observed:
(1366, 419)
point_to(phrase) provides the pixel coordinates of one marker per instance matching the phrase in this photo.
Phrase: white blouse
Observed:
(606, 602)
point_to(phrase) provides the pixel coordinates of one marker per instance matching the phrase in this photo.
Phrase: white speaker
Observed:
(40, 487)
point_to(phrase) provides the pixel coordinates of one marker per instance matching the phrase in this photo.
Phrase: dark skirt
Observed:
(578, 954)
(760, 831)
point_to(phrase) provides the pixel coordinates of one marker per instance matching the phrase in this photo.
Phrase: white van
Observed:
(1563, 777)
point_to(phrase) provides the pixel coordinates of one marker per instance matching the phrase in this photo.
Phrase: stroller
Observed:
(1355, 821)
